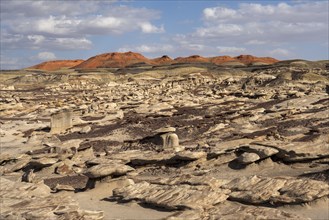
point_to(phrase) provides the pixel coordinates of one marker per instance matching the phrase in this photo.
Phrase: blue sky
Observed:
(37, 31)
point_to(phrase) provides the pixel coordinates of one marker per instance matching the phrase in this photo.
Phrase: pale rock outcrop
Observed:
(173, 196)
(108, 169)
(247, 158)
(278, 190)
(33, 201)
(61, 121)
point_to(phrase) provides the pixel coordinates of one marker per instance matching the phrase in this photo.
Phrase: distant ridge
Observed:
(56, 64)
(162, 60)
(115, 59)
(121, 60)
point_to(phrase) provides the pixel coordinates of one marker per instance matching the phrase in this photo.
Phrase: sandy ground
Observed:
(97, 199)
(318, 210)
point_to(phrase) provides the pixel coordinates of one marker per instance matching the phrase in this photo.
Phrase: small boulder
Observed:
(169, 140)
(247, 158)
(85, 130)
(103, 170)
(189, 155)
(165, 130)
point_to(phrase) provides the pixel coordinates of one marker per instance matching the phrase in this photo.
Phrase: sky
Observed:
(34, 31)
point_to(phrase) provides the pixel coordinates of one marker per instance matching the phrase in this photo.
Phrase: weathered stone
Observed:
(299, 151)
(247, 158)
(83, 155)
(192, 180)
(60, 187)
(103, 170)
(257, 190)
(15, 164)
(229, 211)
(51, 141)
(169, 140)
(173, 196)
(261, 151)
(85, 130)
(162, 140)
(28, 176)
(65, 168)
(74, 181)
(189, 155)
(43, 162)
(33, 201)
(165, 130)
(61, 121)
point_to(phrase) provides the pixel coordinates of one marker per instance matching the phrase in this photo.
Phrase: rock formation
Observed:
(56, 65)
(121, 60)
(61, 121)
(185, 141)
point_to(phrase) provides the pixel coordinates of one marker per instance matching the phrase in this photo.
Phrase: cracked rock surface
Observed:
(183, 141)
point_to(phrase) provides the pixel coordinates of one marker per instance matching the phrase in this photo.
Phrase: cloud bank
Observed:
(68, 25)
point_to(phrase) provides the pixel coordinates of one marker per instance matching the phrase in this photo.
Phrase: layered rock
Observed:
(34, 201)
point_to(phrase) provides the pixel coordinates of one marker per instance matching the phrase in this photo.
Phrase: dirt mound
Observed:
(118, 60)
(192, 59)
(249, 59)
(162, 60)
(56, 64)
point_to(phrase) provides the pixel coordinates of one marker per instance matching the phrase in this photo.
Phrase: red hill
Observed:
(248, 59)
(221, 59)
(162, 60)
(120, 60)
(113, 60)
(192, 59)
(56, 65)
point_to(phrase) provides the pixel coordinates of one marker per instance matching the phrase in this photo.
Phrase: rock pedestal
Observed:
(165, 138)
(169, 140)
(61, 121)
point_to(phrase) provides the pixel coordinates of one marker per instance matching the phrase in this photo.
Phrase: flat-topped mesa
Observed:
(113, 60)
(61, 121)
(56, 65)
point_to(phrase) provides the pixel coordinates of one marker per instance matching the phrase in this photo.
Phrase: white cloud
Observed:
(219, 30)
(260, 25)
(55, 24)
(280, 52)
(39, 42)
(46, 56)
(219, 13)
(152, 48)
(147, 27)
(37, 39)
(194, 47)
(256, 42)
(71, 43)
(230, 50)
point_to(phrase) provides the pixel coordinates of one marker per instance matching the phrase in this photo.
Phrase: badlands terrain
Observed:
(120, 136)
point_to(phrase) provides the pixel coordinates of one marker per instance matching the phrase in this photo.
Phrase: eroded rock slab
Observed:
(33, 201)
(108, 169)
(173, 196)
(229, 211)
(278, 190)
